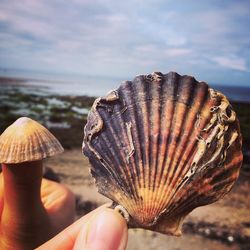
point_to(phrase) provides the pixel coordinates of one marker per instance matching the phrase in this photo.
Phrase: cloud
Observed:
(177, 52)
(231, 63)
(126, 37)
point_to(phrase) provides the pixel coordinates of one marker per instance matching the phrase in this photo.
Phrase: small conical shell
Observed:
(162, 145)
(27, 140)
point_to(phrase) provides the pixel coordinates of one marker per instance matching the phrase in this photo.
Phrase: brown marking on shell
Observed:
(160, 146)
(27, 140)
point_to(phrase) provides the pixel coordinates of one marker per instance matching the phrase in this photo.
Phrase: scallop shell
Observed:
(162, 145)
(27, 140)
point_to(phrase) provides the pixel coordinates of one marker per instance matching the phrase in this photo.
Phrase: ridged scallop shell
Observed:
(27, 140)
(162, 145)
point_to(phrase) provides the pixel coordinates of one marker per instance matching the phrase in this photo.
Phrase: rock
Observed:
(49, 174)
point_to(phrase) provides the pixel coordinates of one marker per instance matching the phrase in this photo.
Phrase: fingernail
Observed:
(107, 230)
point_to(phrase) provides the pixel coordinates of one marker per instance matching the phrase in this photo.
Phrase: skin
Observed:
(102, 229)
(34, 210)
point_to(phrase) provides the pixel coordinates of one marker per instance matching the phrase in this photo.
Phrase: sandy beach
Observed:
(222, 225)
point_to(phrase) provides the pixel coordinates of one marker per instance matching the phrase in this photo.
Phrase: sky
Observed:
(207, 39)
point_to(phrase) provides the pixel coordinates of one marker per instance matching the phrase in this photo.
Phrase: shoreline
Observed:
(19, 80)
(65, 115)
(28, 82)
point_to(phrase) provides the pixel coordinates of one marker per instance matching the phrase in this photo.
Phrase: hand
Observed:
(102, 229)
(31, 210)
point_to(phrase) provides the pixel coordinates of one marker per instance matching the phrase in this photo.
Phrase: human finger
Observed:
(66, 239)
(106, 230)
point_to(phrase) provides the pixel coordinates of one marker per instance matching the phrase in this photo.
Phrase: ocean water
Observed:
(234, 93)
(62, 84)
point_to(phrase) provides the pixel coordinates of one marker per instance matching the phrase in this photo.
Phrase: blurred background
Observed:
(56, 57)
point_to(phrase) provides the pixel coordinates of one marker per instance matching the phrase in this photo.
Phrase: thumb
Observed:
(106, 230)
